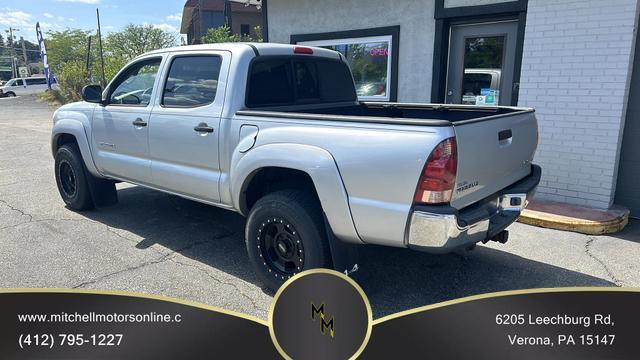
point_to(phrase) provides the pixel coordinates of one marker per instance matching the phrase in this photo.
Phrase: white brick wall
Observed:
(575, 71)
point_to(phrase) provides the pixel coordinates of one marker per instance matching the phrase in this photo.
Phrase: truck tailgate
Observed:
(493, 153)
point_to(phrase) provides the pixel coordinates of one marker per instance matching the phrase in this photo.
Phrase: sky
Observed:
(58, 15)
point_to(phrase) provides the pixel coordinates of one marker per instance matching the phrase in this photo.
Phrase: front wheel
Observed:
(71, 178)
(10, 94)
(285, 235)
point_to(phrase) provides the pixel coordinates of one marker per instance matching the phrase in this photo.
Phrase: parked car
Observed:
(372, 89)
(25, 86)
(276, 133)
(478, 81)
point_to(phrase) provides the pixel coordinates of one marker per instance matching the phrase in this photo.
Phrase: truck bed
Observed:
(483, 134)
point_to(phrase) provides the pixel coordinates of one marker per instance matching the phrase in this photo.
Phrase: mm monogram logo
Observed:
(324, 324)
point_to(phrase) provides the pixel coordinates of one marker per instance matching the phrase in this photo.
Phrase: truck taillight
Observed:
(438, 178)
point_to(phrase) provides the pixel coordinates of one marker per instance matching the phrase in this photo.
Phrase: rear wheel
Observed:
(285, 235)
(71, 178)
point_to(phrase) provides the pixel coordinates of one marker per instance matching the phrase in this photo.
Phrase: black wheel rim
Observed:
(280, 248)
(67, 179)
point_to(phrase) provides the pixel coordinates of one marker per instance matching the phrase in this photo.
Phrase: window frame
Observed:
(111, 88)
(339, 37)
(358, 41)
(168, 72)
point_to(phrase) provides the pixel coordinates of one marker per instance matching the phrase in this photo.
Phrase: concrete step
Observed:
(580, 219)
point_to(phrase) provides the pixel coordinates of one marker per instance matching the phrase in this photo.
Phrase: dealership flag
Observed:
(43, 54)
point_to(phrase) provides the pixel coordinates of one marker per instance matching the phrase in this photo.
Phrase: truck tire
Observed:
(71, 178)
(10, 94)
(285, 235)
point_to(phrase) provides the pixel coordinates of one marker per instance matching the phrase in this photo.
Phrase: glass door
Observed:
(482, 63)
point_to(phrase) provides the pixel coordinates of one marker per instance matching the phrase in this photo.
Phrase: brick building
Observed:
(198, 16)
(572, 60)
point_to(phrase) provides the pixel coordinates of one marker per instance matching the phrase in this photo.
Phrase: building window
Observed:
(370, 62)
(245, 30)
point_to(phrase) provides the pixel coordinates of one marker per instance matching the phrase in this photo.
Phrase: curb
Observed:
(577, 219)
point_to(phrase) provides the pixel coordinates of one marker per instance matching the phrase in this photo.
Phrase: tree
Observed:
(135, 40)
(33, 51)
(67, 52)
(65, 47)
(223, 34)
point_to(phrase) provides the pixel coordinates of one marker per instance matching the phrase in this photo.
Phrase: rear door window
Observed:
(294, 80)
(192, 81)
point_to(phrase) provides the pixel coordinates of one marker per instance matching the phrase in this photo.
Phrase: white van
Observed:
(25, 86)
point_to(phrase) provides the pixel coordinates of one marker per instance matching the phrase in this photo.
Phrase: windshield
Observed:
(10, 82)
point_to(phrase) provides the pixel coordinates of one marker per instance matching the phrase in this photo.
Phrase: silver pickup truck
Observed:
(277, 134)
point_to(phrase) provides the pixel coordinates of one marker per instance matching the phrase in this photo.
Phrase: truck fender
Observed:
(77, 130)
(317, 163)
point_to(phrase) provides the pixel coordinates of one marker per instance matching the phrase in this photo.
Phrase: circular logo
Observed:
(320, 314)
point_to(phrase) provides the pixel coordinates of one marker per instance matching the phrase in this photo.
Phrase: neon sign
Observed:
(379, 52)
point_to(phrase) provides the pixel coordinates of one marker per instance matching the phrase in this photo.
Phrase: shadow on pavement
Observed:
(631, 232)
(394, 279)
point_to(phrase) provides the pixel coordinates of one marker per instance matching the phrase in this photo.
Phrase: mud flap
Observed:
(344, 255)
(103, 192)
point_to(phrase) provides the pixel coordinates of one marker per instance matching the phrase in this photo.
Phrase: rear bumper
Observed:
(442, 229)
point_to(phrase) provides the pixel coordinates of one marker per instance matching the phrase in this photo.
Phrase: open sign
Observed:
(379, 52)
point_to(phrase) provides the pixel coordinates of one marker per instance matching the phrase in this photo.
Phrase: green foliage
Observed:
(484, 53)
(72, 77)
(67, 54)
(135, 40)
(53, 97)
(66, 46)
(223, 34)
(33, 51)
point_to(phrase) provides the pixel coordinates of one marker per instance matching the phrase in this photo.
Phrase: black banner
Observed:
(97, 326)
(556, 325)
(322, 315)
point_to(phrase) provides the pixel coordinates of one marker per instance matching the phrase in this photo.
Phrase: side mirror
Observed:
(92, 94)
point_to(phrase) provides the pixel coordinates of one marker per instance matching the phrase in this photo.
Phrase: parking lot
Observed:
(160, 244)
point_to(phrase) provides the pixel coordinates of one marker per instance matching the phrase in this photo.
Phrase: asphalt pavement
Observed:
(165, 245)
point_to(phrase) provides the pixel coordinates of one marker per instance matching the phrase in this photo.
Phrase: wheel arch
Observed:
(72, 131)
(311, 168)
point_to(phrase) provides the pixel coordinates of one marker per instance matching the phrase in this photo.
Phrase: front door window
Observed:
(135, 85)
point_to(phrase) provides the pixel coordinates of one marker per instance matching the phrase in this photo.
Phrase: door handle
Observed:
(505, 135)
(139, 123)
(203, 128)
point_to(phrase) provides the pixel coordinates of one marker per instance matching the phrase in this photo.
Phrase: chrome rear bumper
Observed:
(435, 231)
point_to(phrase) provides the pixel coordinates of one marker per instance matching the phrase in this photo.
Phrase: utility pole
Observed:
(14, 65)
(24, 53)
(104, 80)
